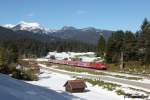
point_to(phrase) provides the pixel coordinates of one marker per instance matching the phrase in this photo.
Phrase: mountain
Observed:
(32, 27)
(30, 43)
(9, 34)
(27, 26)
(88, 35)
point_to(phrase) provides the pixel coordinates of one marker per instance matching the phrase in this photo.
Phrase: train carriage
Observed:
(79, 63)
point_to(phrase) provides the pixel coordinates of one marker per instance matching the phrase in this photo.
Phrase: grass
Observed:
(106, 85)
(79, 70)
(130, 67)
(94, 72)
(130, 78)
(139, 90)
(111, 86)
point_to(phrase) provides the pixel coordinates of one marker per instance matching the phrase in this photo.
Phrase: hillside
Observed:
(12, 89)
(29, 43)
(90, 34)
(8, 34)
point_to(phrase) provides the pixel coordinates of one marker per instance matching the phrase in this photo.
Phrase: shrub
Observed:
(30, 76)
(120, 92)
(27, 75)
(4, 69)
(12, 67)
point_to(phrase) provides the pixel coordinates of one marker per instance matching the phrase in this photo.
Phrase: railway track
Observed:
(146, 76)
(139, 85)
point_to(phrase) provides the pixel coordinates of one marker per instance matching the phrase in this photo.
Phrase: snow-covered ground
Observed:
(56, 81)
(85, 56)
(41, 59)
(12, 89)
(50, 87)
(82, 75)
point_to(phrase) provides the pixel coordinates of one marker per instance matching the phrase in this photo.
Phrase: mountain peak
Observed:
(26, 25)
(29, 26)
(89, 29)
(68, 28)
(9, 25)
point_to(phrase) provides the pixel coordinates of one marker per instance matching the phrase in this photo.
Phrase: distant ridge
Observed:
(87, 35)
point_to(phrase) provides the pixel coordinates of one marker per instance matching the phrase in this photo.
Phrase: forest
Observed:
(130, 49)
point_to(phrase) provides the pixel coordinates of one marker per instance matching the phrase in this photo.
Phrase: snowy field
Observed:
(55, 81)
(124, 87)
(85, 56)
(50, 87)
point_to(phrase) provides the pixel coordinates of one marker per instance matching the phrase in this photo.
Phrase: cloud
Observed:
(30, 14)
(81, 12)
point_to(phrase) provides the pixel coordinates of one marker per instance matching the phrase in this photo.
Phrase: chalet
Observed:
(75, 86)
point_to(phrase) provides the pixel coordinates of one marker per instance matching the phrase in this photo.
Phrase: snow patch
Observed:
(55, 81)
(85, 56)
(8, 26)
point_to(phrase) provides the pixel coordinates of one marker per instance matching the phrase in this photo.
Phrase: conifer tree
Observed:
(144, 42)
(101, 46)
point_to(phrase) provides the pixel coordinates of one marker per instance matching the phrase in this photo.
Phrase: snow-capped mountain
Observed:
(28, 26)
(90, 34)
(34, 27)
(9, 26)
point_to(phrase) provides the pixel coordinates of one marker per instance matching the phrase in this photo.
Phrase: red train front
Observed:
(99, 65)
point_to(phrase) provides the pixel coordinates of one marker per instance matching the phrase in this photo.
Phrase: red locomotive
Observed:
(79, 63)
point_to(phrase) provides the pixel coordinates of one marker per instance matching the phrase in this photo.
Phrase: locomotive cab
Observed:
(98, 65)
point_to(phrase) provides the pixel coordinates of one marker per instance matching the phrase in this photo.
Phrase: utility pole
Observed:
(121, 61)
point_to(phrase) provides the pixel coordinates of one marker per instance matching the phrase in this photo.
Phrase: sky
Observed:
(54, 14)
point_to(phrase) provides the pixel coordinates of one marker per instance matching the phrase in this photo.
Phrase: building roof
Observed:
(76, 84)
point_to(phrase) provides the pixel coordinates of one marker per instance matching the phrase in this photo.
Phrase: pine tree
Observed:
(101, 46)
(147, 45)
(115, 46)
(130, 49)
(145, 23)
(144, 42)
